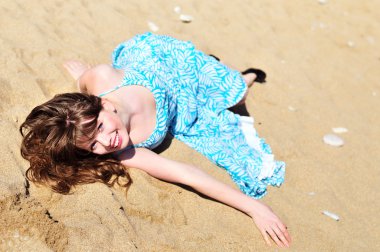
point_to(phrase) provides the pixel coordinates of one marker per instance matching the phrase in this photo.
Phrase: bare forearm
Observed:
(192, 176)
(169, 170)
(208, 185)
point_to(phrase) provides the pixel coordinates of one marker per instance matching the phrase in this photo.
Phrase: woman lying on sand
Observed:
(155, 85)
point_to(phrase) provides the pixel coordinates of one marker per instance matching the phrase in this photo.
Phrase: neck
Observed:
(125, 113)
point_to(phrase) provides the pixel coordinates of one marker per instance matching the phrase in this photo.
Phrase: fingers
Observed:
(266, 237)
(285, 232)
(280, 236)
(272, 227)
(274, 237)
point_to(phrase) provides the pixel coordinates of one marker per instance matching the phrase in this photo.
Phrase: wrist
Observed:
(251, 206)
(255, 207)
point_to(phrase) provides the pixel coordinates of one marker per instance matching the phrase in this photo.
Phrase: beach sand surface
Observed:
(322, 59)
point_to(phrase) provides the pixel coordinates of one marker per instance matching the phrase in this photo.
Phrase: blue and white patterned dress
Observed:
(192, 93)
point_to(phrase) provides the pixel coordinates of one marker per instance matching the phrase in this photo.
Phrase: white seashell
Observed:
(152, 26)
(291, 108)
(339, 130)
(322, 1)
(333, 140)
(186, 18)
(331, 215)
(311, 193)
(177, 9)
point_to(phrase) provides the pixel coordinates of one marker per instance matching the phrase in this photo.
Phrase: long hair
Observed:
(51, 133)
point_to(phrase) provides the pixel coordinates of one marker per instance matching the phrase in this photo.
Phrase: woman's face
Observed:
(111, 135)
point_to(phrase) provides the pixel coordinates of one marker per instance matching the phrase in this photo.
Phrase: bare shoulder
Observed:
(99, 79)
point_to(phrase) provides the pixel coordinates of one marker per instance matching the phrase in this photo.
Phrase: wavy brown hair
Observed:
(51, 134)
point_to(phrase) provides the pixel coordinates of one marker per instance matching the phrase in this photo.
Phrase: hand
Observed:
(270, 225)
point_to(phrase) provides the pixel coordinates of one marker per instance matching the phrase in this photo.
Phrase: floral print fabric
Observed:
(192, 93)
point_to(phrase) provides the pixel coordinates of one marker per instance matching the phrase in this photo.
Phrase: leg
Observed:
(248, 76)
(260, 75)
(249, 80)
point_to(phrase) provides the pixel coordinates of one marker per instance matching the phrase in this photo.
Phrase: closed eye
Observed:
(93, 146)
(100, 126)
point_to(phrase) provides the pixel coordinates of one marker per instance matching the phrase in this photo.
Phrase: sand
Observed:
(322, 62)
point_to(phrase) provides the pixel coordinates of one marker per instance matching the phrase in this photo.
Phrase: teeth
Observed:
(117, 141)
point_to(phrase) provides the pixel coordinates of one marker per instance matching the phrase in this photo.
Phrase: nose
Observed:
(104, 139)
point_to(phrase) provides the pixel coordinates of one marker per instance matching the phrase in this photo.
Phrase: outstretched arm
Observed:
(157, 166)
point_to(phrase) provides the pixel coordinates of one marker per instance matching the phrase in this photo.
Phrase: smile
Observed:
(117, 141)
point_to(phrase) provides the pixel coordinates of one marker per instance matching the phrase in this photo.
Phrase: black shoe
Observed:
(260, 74)
(214, 57)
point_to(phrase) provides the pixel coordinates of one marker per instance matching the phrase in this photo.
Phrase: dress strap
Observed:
(111, 90)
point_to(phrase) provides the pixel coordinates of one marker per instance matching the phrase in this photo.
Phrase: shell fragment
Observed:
(351, 43)
(177, 9)
(339, 130)
(152, 26)
(333, 140)
(185, 18)
(331, 215)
